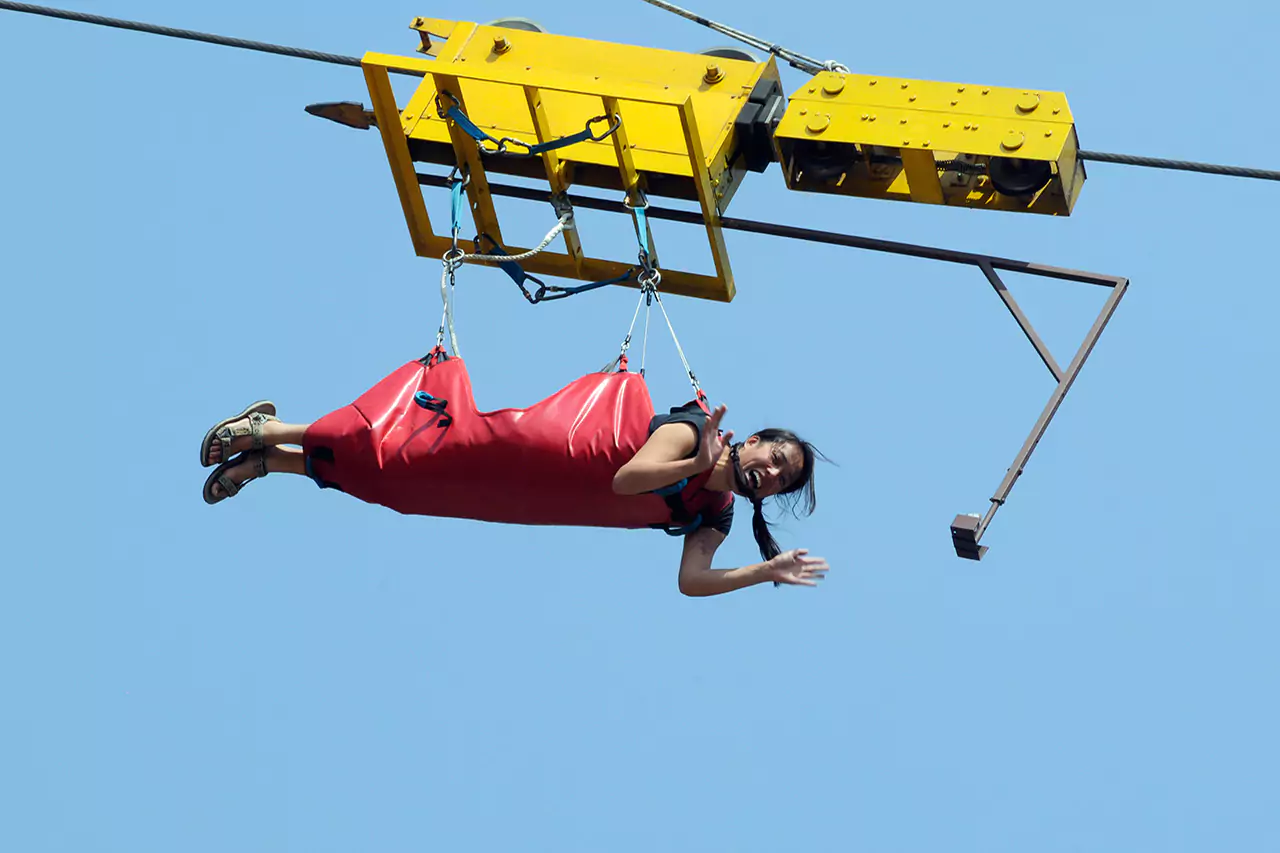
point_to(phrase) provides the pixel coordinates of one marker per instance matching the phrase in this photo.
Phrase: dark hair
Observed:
(799, 494)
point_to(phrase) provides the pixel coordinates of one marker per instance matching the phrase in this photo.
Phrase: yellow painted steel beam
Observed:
(425, 243)
(710, 215)
(871, 122)
(469, 160)
(596, 269)
(555, 171)
(667, 112)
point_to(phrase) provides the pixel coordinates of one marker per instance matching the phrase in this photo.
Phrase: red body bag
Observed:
(415, 443)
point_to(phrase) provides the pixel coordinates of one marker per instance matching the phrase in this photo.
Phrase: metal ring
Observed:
(617, 122)
(466, 175)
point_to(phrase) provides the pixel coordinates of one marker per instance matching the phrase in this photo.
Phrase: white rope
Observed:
(566, 221)
(679, 349)
(644, 349)
(446, 321)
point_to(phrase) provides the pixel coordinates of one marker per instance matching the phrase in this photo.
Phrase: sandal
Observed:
(229, 487)
(258, 414)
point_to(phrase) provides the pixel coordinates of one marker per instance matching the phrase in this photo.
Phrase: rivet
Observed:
(904, 85)
(912, 98)
(812, 89)
(872, 82)
(959, 88)
(986, 91)
(975, 126)
(417, 22)
(906, 142)
(946, 124)
(926, 143)
(804, 112)
(967, 126)
(1055, 112)
(954, 102)
(864, 116)
(902, 121)
(1048, 133)
(873, 118)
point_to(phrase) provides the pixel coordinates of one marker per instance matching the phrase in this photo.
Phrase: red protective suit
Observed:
(552, 463)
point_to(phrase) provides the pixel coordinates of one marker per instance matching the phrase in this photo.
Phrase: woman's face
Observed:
(770, 467)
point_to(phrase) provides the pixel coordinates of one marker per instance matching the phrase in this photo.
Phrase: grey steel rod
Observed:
(1051, 408)
(1023, 322)
(792, 232)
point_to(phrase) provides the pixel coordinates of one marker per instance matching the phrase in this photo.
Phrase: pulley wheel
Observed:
(1018, 177)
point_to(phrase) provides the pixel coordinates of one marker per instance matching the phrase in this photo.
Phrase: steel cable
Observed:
(798, 60)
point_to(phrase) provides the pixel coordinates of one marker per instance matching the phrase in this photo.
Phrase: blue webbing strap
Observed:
(470, 129)
(458, 205)
(546, 292)
(434, 404)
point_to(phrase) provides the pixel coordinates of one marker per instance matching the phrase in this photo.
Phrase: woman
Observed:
(416, 444)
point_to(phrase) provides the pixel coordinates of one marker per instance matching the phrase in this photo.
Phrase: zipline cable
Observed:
(796, 59)
(192, 35)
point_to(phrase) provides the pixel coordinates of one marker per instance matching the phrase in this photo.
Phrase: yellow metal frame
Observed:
(923, 122)
(710, 174)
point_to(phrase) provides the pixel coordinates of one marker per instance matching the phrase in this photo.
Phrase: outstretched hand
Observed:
(793, 567)
(713, 443)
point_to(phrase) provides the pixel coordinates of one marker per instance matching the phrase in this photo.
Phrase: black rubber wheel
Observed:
(1016, 177)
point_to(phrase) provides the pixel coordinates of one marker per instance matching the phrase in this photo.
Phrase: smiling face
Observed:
(770, 467)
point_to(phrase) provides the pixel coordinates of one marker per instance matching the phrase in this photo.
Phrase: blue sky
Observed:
(296, 671)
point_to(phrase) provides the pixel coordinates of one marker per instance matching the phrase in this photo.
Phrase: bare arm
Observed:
(671, 454)
(660, 462)
(698, 579)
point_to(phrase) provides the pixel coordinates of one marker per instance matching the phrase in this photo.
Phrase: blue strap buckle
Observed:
(434, 404)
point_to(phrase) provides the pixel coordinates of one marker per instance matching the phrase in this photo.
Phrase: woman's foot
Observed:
(245, 431)
(229, 478)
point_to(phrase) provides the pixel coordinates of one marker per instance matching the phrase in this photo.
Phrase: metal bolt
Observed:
(871, 82)
(902, 121)
(500, 44)
(1048, 133)
(873, 118)
(714, 74)
(954, 102)
(804, 112)
(986, 91)
(912, 98)
(926, 143)
(1055, 112)
(960, 88)
(975, 127)
(906, 142)
(946, 124)
(904, 85)
(967, 126)
(864, 116)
